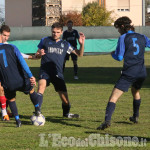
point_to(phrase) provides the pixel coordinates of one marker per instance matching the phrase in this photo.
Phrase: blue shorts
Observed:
(125, 82)
(26, 88)
(59, 84)
(73, 56)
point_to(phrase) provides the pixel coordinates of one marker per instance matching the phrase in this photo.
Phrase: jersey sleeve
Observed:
(22, 62)
(147, 41)
(40, 45)
(70, 48)
(120, 49)
(25, 56)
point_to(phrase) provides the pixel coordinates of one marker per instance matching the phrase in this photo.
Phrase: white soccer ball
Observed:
(37, 120)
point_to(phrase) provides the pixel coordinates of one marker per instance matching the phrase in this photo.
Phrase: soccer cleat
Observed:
(37, 113)
(72, 116)
(104, 125)
(134, 119)
(18, 123)
(5, 118)
(76, 77)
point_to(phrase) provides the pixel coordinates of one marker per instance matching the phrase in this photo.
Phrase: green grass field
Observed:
(88, 96)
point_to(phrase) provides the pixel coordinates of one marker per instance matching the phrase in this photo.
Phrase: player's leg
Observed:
(14, 110)
(10, 95)
(136, 98)
(121, 86)
(75, 65)
(116, 93)
(3, 101)
(60, 87)
(136, 105)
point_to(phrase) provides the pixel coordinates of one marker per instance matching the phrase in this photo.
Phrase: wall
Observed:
(18, 13)
(135, 12)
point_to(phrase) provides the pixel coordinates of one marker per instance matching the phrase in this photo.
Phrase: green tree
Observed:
(95, 15)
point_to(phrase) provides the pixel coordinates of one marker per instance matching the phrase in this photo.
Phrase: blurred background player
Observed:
(71, 35)
(5, 34)
(131, 48)
(15, 76)
(54, 51)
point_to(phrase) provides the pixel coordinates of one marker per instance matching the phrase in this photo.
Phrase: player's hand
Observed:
(82, 38)
(33, 81)
(42, 52)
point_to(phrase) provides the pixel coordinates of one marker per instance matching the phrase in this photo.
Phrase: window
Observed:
(123, 5)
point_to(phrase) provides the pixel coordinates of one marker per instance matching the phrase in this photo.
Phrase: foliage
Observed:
(95, 15)
(74, 16)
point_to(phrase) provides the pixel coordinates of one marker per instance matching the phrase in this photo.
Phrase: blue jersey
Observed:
(131, 48)
(13, 68)
(71, 37)
(52, 61)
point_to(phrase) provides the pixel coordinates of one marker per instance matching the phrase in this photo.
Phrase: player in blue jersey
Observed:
(131, 48)
(15, 75)
(54, 51)
(5, 34)
(71, 35)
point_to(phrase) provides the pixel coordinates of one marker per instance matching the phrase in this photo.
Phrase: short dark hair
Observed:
(124, 23)
(57, 25)
(70, 21)
(4, 28)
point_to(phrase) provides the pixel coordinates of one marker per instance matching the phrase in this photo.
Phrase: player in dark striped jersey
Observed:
(15, 75)
(71, 35)
(131, 48)
(54, 51)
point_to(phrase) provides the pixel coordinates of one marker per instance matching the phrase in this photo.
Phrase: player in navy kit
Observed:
(54, 51)
(5, 34)
(15, 75)
(71, 35)
(131, 48)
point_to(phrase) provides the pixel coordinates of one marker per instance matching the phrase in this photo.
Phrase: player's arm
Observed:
(81, 42)
(118, 54)
(147, 41)
(25, 66)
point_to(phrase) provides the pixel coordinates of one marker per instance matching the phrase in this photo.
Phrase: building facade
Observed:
(45, 12)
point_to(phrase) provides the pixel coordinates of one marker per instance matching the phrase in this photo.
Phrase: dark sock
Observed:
(40, 99)
(66, 109)
(75, 69)
(109, 111)
(136, 106)
(14, 110)
(35, 100)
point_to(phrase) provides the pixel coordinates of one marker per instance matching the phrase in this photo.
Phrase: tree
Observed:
(72, 15)
(95, 15)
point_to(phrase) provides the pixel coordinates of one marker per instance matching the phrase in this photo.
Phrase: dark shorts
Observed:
(125, 82)
(73, 57)
(59, 84)
(26, 88)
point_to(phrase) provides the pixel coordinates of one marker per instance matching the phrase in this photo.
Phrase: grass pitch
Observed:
(88, 96)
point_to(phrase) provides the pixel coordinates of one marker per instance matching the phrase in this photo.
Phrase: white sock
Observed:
(4, 112)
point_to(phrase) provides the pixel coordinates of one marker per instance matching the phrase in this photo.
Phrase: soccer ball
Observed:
(37, 120)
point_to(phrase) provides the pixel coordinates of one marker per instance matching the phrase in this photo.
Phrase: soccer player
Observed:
(131, 48)
(15, 75)
(53, 51)
(5, 34)
(71, 35)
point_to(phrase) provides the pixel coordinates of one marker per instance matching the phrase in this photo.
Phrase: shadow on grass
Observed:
(63, 121)
(95, 75)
